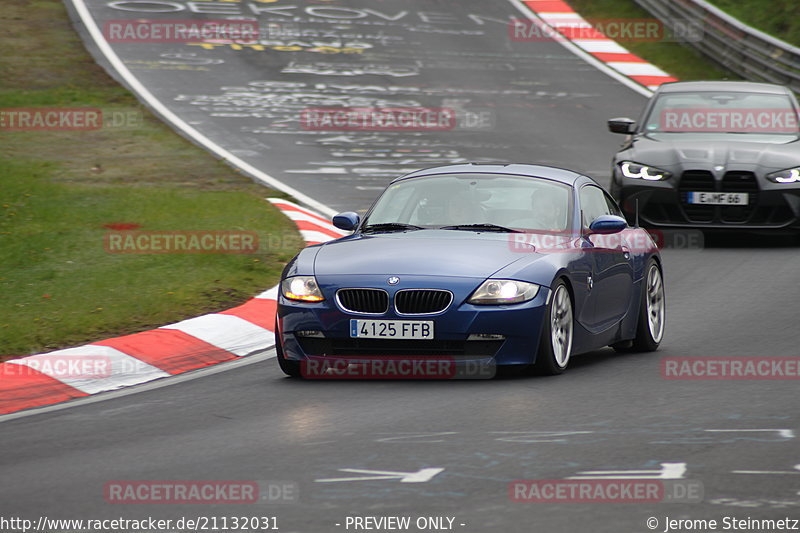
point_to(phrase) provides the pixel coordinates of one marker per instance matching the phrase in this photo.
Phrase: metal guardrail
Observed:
(746, 51)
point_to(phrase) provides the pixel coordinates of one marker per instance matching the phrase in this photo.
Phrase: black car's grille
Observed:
(736, 181)
(733, 181)
(422, 301)
(370, 301)
(697, 181)
(391, 347)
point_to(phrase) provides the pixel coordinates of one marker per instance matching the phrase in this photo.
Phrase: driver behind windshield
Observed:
(452, 209)
(548, 209)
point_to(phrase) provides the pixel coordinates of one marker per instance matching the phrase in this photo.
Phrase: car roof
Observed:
(562, 175)
(740, 86)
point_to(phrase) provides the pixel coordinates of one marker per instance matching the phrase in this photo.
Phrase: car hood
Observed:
(422, 253)
(707, 154)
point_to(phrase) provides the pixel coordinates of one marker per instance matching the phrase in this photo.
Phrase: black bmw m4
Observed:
(712, 155)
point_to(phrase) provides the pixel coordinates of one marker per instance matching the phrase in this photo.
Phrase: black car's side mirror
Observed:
(347, 221)
(621, 125)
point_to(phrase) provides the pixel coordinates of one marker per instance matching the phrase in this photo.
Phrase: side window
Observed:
(594, 204)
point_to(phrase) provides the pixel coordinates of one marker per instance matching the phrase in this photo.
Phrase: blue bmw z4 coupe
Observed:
(481, 266)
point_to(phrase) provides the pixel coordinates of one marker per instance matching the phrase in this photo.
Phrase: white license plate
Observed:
(718, 198)
(391, 329)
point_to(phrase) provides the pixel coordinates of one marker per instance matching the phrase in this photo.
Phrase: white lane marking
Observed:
(604, 46)
(315, 236)
(306, 215)
(537, 436)
(562, 18)
(269, 294)
(228, 332)
(423, 437)
(785, 433)
(586, 56)
(321, 170)
(177, 122)
(295, 216)
(145, 387)
(637, 68)
(421, 476)
(91, 368)
(667, 471)
(794, 472)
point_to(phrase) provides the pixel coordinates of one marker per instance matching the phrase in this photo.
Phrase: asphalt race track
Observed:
(516, 101)
(608, 412)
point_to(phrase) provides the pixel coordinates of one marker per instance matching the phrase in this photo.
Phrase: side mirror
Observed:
(347, 221)
(621, 125)
(606, 224)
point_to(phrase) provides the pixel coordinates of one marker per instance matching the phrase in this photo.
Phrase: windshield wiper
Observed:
(482, 227)
(389, 226)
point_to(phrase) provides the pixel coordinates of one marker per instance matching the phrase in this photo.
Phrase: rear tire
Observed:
(555, 344)
(652, 313)
(290, 368)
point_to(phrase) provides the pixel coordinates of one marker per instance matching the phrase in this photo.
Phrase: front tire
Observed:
(555, 345)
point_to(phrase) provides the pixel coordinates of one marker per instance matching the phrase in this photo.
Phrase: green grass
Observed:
(59, 287)
(779, 18)
(679, 60)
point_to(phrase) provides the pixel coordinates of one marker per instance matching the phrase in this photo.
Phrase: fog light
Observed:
(310, 333)
(485, 337)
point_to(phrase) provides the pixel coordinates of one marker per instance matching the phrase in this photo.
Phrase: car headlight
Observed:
(790, 175)
(644, 172)
(503, 291)
(302, 288)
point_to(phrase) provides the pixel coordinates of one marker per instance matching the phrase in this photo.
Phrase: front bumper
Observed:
(665, 204)
(519, 324)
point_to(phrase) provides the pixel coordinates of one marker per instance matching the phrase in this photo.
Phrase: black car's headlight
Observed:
(503, 291)
(301, 288)
(790, 175)
(633, 170)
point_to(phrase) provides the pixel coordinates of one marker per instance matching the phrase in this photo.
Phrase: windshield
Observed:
(723, 112)
(521, 203)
